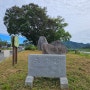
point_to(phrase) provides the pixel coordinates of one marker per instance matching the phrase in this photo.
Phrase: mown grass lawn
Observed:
(13, 77)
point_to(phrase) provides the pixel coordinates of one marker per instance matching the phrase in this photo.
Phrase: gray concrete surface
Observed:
(1, 56)
(6, 53)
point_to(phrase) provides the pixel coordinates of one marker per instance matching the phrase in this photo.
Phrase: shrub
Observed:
(77, 52)
(30, 47)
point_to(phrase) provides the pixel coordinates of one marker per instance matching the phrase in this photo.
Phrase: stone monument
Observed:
(47, 65)
(52, 63)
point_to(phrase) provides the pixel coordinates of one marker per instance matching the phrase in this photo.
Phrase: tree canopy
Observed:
(32, 22)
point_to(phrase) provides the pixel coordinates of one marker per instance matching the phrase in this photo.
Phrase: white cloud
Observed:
(75, 12)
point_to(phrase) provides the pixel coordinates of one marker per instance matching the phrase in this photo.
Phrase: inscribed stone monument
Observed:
(47, 65)
(52, 63)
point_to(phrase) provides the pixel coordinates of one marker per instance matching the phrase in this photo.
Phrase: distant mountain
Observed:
(75, 45)
(6, 37)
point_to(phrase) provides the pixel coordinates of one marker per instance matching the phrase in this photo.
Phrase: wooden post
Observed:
(14, 56)
(12, 38)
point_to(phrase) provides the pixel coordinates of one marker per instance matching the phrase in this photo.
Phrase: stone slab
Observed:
(47, 65)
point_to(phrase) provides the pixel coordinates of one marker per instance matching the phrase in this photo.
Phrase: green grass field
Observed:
(13, 77)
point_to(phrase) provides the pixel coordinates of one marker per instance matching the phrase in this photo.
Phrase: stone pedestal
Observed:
(29, 81)
(63, 82)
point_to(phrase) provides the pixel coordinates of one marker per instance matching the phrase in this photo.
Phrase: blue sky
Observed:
(75, 12)
(6, 37)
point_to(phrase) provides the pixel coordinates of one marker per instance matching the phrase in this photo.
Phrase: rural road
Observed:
(1, 56)
(84, 52)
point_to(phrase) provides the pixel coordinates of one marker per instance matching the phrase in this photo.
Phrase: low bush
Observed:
(30, 47)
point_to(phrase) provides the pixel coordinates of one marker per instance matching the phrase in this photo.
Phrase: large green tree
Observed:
(32, 21)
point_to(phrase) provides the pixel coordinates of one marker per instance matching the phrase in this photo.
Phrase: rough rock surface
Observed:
(41, 41)
(55, 47)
